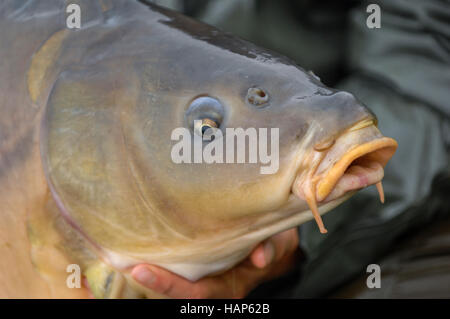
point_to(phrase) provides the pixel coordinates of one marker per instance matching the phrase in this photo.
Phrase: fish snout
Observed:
(354, 160)
(334, 112)
(352, 109)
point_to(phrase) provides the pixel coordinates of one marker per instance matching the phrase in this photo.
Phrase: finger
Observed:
(263, 254)
(163, 281)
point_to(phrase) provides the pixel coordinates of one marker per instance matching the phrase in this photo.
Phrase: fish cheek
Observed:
(85, 158)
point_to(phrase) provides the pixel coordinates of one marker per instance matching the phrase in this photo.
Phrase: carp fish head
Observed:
(108, 143)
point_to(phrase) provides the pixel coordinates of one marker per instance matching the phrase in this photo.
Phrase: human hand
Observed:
(268, 260)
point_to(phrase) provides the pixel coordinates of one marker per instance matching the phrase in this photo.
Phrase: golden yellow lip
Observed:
(380, 150)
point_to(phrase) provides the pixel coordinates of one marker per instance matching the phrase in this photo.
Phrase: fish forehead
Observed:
(178, 56)
(190, 66)
(176, 66)
(182, 47)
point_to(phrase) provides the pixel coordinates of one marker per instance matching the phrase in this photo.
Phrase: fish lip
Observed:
(378, 151)
(324, 177)
(355, 160)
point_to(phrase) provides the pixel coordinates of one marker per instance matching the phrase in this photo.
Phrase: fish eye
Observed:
(205, 127)
(257, 96)
(204, 113)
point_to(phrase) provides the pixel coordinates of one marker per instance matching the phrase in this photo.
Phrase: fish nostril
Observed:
(257, 96)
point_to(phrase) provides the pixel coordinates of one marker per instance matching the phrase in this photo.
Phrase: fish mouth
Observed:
(354, 161)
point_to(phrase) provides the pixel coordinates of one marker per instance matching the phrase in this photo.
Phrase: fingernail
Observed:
(145, 276)
(269, 252)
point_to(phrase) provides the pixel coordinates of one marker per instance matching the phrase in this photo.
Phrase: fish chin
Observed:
(221, 256)
(353, 161)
